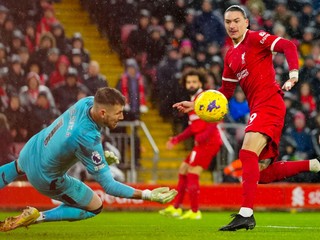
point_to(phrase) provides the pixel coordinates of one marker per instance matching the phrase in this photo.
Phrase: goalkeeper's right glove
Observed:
(111, 158)
(161, 194)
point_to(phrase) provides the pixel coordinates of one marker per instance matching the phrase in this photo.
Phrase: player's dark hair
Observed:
(237, 8)
(109, 96)
(193, 72)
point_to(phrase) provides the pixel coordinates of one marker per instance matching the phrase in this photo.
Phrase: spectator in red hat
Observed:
(57, 77)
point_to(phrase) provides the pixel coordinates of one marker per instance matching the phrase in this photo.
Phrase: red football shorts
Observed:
(269, 120)
(202, 155)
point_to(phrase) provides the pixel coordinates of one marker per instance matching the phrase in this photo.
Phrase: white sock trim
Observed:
(246, 212)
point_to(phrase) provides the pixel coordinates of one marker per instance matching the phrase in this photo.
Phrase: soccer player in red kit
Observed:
(207, 143)
(249, 63)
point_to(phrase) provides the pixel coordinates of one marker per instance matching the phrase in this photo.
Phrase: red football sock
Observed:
(194, 190)
(181, 188)
(282, 169)
(250, 176)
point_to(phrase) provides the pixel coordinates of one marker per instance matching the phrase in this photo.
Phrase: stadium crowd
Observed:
(43, 72)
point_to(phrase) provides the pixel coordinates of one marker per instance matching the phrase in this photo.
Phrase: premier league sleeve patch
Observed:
(97, 160)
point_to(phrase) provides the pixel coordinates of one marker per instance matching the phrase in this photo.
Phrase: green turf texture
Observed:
(150, 225)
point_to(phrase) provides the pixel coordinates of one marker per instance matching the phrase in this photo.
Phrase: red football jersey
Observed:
(250, 63)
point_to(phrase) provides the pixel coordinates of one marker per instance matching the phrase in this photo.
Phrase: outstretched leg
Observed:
(283, 169)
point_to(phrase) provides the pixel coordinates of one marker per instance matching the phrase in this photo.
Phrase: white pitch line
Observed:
(288, 227)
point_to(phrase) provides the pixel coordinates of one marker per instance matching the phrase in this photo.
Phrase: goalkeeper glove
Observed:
(111, 158)
(161, 194)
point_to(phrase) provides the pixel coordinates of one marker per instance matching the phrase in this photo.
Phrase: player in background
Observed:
(207, 143)
(249, 63)
(72, 137)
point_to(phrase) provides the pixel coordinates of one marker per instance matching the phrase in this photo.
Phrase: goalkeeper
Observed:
(74, 136)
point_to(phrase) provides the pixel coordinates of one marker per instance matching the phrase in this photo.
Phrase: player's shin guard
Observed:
(8, 173)
(250, 176)
(283, 169)
(181, 188)
(66, 213)
(193, 189)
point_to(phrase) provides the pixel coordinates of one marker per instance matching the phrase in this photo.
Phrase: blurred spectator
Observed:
(292, 107)
(36, 67)
(293, 28)
(6, 154)
(281, 67)
(316, 24)
(16, 73)
(307, 99)
(137, 39)
(287, 149)
(41, 114)
(302, 136)
(77, 63)
(281, 12)
(316, 87)
(155, 48)
(169, 27)
(24, 55)
(17, 117)
(308, 72)
(4, 11)
(57, 77)
(316, 134)
(306, 42)
(6, 90)
(46, 42)
(209, 27)
(49, 65)
(189, 30)
(67, 94)
(166, 70)
(3, 56)
(47, 20)
(215, 67)
(29, 93)
(186, 49)
(232, 173)
(268, 21)
(93, 79)
(7, 31)
(132, 86)
(178, 11)
(201, 58)
(17, 42)
(256, 8)
(31, 37)
(306, 15)
(238, 107)
(58, 33)
(78, 43)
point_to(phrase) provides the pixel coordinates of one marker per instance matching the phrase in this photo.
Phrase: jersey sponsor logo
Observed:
(244, 73)
(264, 38)
(96, 158)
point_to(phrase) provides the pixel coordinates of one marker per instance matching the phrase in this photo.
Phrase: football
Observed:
(211, 106)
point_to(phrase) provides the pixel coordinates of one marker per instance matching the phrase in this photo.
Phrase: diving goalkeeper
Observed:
(74, 136)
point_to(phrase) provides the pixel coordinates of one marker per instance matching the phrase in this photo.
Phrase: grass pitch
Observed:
(150, 225)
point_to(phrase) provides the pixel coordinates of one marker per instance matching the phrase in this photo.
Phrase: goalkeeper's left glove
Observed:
(161, 194)
(111, 157)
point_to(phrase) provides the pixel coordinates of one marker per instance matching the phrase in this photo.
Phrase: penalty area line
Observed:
(288, 227)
